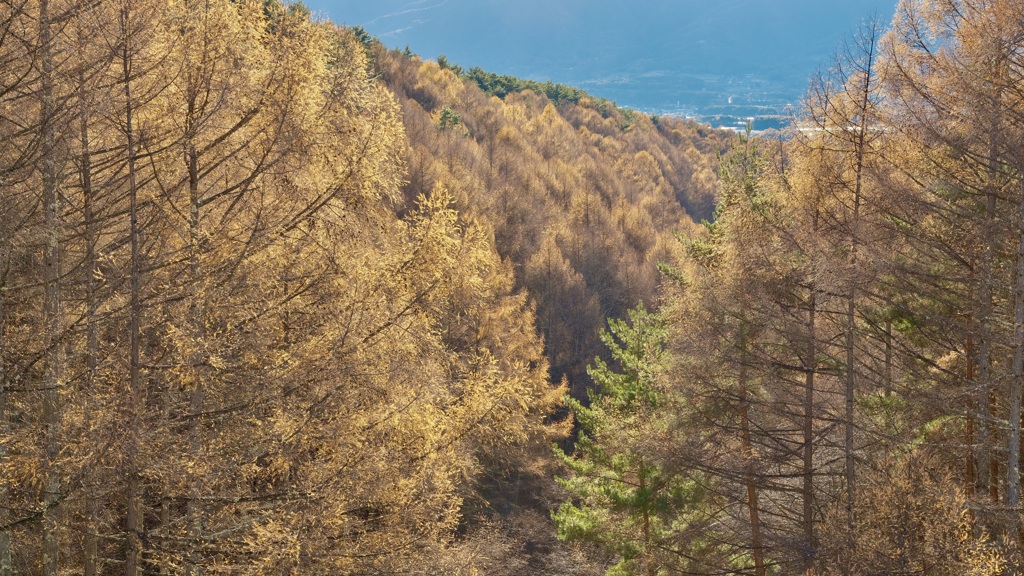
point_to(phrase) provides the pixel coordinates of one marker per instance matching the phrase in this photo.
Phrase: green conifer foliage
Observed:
(626, 497)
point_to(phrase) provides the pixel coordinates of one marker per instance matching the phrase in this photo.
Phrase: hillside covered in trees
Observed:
(582, 198)
(277, 300)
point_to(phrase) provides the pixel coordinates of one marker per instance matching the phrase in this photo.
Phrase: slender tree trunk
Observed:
(757, 541)
(133, 520)
(198, 359)
(848, 416)
(807, 490)
(970, 471)
(649, 568)
(52, 299)
(6, 568)
(197, 84)
(851, 306)
(1016, 385)
(985, 306)
(851, 384)
(1014, 416)
(92, 505)
(993, 461)
(888, 359)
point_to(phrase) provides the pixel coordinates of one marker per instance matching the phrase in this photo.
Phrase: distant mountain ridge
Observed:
(666, 56)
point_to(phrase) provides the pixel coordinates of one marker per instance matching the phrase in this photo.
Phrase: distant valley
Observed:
(682, 57)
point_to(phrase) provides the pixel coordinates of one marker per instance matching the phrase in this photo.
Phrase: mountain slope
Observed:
(583, 198)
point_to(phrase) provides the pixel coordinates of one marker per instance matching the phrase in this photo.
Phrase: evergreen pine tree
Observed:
(626, 496)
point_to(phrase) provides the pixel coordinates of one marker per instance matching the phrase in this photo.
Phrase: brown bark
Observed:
(984, 380)
(6, 568)
(649, 567)
(757, 541)
(92, 505)
(133, 520)
(860, 152)
(1014, 416)
(969, 470)
(197, 360)
(807, 489)
(52, 299)
(985, 306)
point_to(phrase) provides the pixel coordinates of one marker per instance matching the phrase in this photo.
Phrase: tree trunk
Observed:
(133, 520)
(985, 306)
(851, 493)
(6, 569)
(757, 541)
(649, 568)
(860, 153)
(52, 300)
(887, 376)
(970, 472)
(92, 505)
(807, 490)
(993, 461)
(197, 360)
(1014, 416)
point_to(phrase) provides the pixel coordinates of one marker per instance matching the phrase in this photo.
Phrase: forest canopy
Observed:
(275, 299)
